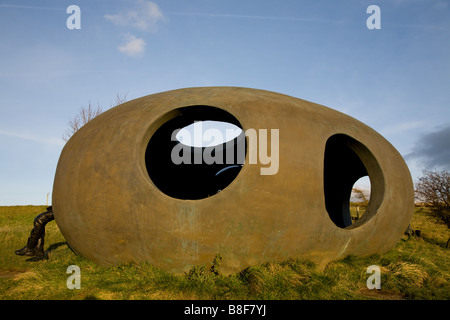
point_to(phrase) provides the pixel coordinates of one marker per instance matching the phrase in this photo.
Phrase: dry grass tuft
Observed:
(408, 272)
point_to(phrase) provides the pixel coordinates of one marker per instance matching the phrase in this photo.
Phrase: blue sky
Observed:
(395, 79)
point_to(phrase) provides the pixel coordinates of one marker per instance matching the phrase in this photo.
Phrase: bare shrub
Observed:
(86, 114)
(433, 189)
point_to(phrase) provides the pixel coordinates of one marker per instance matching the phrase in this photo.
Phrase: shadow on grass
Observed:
(437, 242)
(433, 241)
(49, 249)
(55, 245)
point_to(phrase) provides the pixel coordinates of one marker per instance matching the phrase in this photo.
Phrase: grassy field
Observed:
(417, 268)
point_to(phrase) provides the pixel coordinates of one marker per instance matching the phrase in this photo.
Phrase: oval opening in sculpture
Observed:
(197, 153)
(346, 161)
(208, 133)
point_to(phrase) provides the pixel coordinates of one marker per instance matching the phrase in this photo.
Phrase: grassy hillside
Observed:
(417, 268)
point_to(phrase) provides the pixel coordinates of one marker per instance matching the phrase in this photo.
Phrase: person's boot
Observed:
(26, 251)
(34, 248)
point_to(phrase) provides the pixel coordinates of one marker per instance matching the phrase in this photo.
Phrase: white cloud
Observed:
(132, 46)
(144, 16)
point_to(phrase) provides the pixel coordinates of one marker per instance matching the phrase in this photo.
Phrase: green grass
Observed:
(417, 268)
(353, 209)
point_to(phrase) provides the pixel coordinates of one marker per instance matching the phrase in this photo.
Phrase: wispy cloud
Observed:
(298, 19)
(239, 16)
(132, 46)
(144, 16)
(402, 127)
(31, 137)
(28, 7)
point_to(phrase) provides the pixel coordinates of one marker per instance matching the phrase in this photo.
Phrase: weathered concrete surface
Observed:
(109, 210)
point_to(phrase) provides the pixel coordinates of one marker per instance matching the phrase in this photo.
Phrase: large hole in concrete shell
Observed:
(346, 161)
(196, 153)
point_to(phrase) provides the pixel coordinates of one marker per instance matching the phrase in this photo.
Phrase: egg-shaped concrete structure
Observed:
(119, 197)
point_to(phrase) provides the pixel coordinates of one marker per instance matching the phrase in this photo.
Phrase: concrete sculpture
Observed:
(119, 197)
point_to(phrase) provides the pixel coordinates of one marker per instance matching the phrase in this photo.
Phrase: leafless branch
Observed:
(361, 196)
(86, 114)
